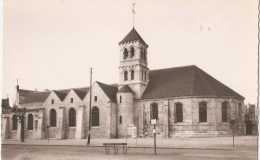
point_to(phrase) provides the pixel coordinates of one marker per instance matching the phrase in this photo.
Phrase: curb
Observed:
(127, 147)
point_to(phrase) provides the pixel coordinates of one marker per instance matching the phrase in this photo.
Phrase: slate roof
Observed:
(60, 94)
(23, 92)
(164, 83)
(109, 90)
(80, 93)
(5, 104)
(185, 81)
(126, 88)
(36, 97)
(133, 35)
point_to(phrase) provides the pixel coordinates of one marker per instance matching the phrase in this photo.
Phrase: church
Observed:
(185, 101)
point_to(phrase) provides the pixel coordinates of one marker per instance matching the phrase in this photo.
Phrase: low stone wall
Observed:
(29, 134)
(13, 134)
(70, 133)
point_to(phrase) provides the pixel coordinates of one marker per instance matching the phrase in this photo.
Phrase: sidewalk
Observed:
(218, 143)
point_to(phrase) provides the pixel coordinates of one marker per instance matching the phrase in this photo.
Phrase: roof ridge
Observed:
(78, 93)
(133, 35)
(237, 94)
(174, 67)
(107, 90)
(59, 92)
(192, 81)
(206, 81)
(125, 88)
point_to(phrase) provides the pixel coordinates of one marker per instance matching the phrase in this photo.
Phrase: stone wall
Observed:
(190, 127)
(104, 105)
(125, 111)
(70, 130)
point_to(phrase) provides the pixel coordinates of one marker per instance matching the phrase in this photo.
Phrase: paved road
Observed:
(21, 152)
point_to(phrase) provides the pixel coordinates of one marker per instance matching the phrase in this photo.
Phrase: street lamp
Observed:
(232, 125)
(20, 112)
(154, 122)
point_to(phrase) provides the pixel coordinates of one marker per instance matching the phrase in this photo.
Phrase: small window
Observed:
(179, 112)
(120, 120)
(144, 76)
(125, 75)
(132, 74)
(132, 50)
(125, 53)
(72, 117)
(224, 109)
(154, 111)
(203, 112)
(52, 118)
(145, 55)
(14, 122)
(95, 116)
(120, 99)
(142, 54)
(52, 101)
(30, 122)
(95, 98)
(239, 109)
(71, 100)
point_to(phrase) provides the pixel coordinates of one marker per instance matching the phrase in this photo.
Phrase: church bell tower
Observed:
(133, 70)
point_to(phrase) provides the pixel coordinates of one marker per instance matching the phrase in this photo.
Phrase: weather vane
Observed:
(133, 10)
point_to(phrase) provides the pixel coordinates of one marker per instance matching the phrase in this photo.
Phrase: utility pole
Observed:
(90, 92)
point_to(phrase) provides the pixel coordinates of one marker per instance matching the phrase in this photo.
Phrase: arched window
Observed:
(203, 112)
(144, 76)
(142, 54)
(52, 118)
(95, 116)
(125, 53)
(239, 109)
(179, 112)
(30, 122)
(145, 55)
(224, 111)
(154, 111)
(125, 75)
(120, 119)
(72, 117)
(52, 101)
(132, 50)
(14, 122)
(132, 74)
(71, 100)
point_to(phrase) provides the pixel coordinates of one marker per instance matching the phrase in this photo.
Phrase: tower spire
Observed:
(133, 10)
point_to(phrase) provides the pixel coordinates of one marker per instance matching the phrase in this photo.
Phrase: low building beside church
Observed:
(186, 101)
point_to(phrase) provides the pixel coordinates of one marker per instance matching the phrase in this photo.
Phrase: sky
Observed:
(50, 44)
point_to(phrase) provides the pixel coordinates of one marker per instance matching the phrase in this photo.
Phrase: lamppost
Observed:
(154, 122)
(20, 112)
(232, 125)
(48, 132)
